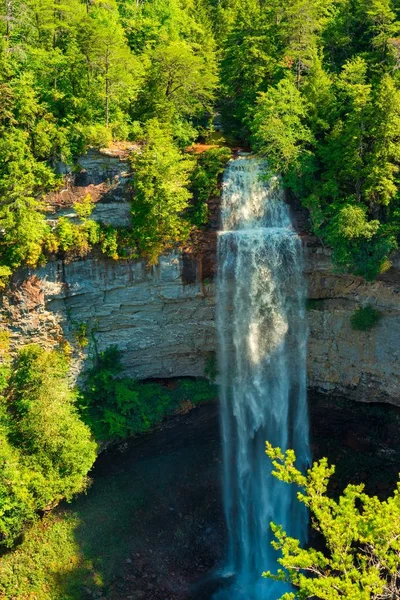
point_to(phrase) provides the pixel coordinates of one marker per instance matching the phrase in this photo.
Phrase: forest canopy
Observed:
(312, 86)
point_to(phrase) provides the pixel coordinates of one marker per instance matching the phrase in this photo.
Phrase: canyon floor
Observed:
(151, 525)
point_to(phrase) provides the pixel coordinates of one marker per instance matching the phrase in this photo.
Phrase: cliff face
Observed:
(363, 365)
(163, 318)
(165, 327)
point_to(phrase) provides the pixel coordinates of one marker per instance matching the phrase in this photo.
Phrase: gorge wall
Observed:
(363, 365)
(163, 318)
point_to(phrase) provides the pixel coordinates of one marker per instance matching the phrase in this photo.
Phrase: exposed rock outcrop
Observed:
(163, 318)
(163, 327)
(364, 365)
(105, 175)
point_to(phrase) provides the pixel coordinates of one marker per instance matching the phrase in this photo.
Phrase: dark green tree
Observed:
(161, 195)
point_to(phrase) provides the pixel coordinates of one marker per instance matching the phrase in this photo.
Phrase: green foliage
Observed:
(161, 196)
(247, 62)
(180, 83)
(205, 181)
(46, 450)
(17, 502)
(313, 86)
(80, 74)
(118, 407)
(365, 318)
(84, 207)
(109, 242)
(361, 535)
(278, 130)
(49, 551)
(81, 335)
(76, 239)
(317, 85)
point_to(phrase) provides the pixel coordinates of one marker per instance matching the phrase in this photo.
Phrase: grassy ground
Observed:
(49, 553)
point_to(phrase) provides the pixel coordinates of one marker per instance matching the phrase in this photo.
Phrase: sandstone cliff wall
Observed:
(163, 318)
(165, 327)
(364, 365)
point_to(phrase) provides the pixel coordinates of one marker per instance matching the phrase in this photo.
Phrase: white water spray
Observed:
(262, 335)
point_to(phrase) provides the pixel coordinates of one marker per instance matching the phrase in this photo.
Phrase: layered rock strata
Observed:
(163, 319)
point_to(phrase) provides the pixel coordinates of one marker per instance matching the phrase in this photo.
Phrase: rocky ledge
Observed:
(163, 319)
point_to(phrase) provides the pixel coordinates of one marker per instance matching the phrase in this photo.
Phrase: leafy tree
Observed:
(382, 162)
(301, 22)
(381, 22)
(45, 449)
(161, 196)
(361, 534)
(247, 63)
(205, 181)
(179, 84)
(45, 426)
(278, 129)
(114, 73)
(16, 500)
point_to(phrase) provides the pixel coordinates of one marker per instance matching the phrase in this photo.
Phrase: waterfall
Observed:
(262, 340)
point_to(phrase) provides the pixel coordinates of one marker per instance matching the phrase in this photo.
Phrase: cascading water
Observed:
(262, 334)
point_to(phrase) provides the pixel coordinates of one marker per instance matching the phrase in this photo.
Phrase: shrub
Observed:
(109, 242)
(5, 274)
(84, 207)
(96, 135)
(81, 335)
(118, 407)
(77, 239)
(365, 317)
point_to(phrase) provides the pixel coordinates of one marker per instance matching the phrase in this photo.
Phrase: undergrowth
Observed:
(365, 318)
(117, 407)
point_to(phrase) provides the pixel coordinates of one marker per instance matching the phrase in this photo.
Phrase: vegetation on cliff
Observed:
(79, 74)
(316, 87)
(48, 430)
(312, 86)
(117, 407)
